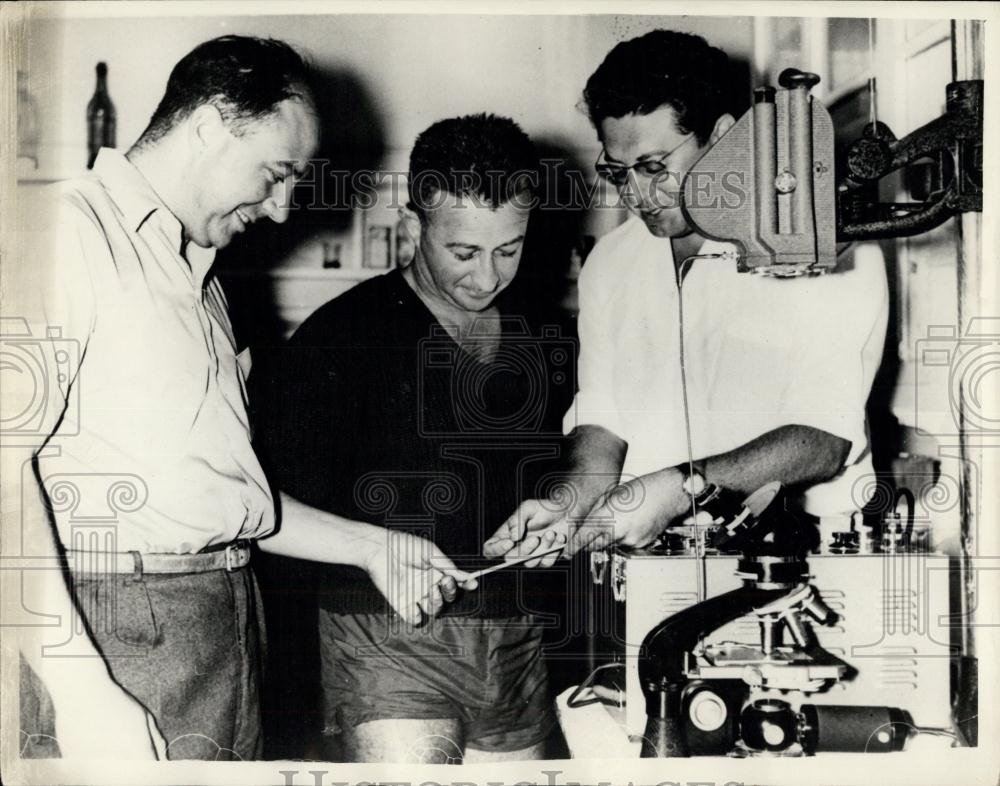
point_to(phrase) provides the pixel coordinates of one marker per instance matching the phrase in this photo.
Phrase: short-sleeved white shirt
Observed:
(760, 353)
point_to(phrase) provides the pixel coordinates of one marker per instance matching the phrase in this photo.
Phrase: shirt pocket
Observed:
(245, 363)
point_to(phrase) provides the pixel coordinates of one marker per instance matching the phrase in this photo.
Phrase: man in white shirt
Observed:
(686, 364)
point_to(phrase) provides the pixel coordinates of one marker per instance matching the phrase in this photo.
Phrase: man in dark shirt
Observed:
(414, 401)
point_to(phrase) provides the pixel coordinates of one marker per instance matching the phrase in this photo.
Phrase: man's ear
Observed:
(722, 125)
(412, 224)
(207, 127)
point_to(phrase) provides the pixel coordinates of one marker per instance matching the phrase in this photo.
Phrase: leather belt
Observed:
(232, 557)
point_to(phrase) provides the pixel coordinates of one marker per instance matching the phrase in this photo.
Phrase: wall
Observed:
(914, 71)
(415, 69)
(388, 78)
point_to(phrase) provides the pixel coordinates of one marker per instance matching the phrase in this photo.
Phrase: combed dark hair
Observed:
(243, 76)
(664, 68)
(480, 156)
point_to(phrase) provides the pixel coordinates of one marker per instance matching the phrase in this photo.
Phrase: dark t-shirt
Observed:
(372, 411)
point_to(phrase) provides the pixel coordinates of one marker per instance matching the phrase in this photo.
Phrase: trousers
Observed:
(189, 647)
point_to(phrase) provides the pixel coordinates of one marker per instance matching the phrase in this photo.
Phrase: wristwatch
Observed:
(693, 481)
(696, 487)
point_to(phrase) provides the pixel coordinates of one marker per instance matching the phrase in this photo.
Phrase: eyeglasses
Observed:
(618, 174)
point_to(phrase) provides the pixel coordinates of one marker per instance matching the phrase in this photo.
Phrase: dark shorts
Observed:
(187, 646)
(486, 673)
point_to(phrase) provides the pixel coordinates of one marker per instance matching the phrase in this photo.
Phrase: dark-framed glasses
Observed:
(649, 167)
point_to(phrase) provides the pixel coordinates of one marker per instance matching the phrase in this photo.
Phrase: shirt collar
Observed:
(137, 200)
(128, 188)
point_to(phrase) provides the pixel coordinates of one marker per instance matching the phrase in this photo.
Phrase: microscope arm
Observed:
(662, 660)
(663, 652)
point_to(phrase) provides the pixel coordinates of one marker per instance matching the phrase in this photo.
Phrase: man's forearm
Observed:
(312, 534)
(596, 458)
(793, 455)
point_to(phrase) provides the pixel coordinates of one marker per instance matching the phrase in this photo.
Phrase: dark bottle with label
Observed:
(100, 117)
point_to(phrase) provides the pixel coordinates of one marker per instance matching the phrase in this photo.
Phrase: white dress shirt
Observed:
(760, 353)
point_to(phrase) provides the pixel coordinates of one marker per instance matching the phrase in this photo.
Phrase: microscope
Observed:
(740, 698)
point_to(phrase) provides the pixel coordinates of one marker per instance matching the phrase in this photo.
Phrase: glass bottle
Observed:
(27, 123)
(100, 117)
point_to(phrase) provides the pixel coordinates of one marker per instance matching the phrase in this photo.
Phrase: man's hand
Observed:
(414, 575)
(633, 514)
(595, 460)
(100, 720)
(537, 525)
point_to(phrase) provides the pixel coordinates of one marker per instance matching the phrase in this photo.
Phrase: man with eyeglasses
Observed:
(741, 381)
(653, 167)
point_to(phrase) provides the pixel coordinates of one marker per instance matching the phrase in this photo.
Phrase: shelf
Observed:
(54, 161)
(298, 290)
(46, 176)
(310, 273)
(40, 180)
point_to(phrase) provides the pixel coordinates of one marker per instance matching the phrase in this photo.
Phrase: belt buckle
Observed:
(232, 551)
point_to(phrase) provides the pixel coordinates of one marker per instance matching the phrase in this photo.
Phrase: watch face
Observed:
(694, 483)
